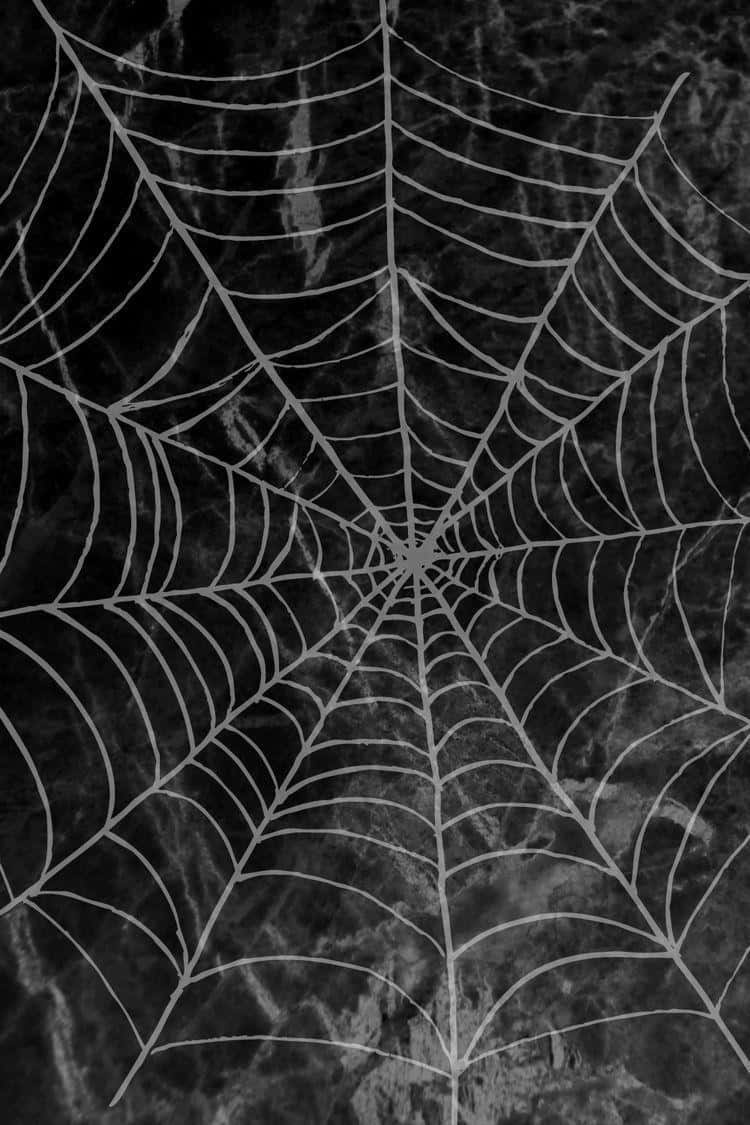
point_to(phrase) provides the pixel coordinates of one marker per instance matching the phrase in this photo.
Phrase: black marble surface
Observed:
(374, 712)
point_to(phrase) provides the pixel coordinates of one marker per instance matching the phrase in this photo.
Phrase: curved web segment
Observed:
(377, 579)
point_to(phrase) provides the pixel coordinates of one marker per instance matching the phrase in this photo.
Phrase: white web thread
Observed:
(421, 550)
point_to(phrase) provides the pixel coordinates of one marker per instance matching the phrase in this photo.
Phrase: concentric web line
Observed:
(383, 508)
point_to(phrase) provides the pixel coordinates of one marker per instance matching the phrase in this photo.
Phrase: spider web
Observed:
(378, 582)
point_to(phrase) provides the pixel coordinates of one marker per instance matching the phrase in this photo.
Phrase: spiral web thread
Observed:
(433, 520)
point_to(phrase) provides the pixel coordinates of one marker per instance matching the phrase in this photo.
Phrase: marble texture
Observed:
(376, 462)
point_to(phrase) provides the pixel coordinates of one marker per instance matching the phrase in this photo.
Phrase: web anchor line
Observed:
(657, 352)
(671, 948)
(163, 780)
(257, 837)
(447, 517)
(164, 439)
(437, 783)
(183, 233)
(395, 300)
